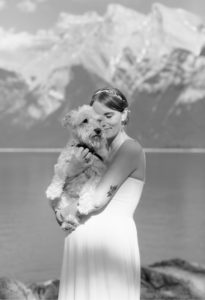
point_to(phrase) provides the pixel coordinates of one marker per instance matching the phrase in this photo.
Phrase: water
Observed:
(169, 217)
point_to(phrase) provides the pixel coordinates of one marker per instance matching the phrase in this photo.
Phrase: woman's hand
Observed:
(69, 225)
(83, 156)
(69, 217)
(59, 218)
(81, 159)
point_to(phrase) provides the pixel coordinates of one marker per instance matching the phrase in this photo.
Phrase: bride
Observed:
(101, 256)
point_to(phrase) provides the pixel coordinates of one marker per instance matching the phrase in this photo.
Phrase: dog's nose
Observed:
(98, 130)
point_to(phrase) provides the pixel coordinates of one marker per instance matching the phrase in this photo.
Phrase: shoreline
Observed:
(147, 150)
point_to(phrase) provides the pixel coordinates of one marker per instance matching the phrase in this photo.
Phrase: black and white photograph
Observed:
(102, 150)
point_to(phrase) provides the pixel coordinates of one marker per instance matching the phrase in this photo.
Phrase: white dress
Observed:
(101, 257)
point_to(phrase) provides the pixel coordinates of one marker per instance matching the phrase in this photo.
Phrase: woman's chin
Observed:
(108, 136)
(108, 133)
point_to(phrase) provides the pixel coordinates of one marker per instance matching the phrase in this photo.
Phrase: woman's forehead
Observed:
(101, 108)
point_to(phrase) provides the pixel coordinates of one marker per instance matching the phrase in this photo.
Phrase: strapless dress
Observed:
(101, 259)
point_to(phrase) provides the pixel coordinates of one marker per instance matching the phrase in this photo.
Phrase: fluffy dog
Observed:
(69, 186)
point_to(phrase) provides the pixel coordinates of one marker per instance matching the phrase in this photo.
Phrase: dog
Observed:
(87, 132)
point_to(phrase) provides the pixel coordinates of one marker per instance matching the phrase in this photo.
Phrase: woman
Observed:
(101, 256)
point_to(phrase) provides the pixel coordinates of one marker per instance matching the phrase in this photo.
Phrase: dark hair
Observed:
(110, 97)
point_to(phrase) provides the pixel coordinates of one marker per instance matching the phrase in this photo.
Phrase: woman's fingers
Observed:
(85, 151)
(67, 226)
(83, 155)
(82, 151)
(88, 155)
(59, 217)
(72, 220)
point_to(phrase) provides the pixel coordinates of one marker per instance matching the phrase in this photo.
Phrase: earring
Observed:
(123, 123)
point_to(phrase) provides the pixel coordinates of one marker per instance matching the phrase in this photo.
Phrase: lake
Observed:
(170, 216)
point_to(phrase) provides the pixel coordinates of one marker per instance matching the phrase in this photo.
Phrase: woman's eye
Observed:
(108, 117)
(85, 121)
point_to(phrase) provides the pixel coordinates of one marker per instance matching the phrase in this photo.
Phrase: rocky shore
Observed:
(174, 279)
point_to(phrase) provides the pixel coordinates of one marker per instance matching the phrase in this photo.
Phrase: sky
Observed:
(33, 15)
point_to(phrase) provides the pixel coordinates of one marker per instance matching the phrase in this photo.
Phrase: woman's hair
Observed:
(112, 98)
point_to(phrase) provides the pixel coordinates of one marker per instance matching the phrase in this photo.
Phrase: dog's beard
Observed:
(94, 141)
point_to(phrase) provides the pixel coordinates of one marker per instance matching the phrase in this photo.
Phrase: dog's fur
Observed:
(66, 187)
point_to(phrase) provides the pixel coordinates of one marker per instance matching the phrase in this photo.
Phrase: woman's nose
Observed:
(100, 119)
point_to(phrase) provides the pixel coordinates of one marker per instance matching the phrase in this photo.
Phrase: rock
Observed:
(160, 286)
(13, 289)
(46, 290)
(191, 274)
(174, 279)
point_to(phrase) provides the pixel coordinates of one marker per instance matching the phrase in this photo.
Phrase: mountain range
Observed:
(157, 60)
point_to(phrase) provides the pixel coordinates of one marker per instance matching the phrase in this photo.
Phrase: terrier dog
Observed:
(69, 186)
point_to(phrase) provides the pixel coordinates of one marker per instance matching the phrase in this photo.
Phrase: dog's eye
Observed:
(85, 121)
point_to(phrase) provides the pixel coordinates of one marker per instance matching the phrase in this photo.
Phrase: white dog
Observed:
(73, 184)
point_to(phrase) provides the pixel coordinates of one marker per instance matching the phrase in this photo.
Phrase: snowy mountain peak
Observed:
(185, 30)
(66, 20)
(138, 53)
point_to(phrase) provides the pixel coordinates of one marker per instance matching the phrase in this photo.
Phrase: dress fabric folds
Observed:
(101, 258)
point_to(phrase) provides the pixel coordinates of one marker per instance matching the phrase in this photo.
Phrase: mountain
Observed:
(157, 60)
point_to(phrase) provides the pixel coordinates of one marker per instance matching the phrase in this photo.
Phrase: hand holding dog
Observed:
(67, 218)
(81, 159)
(83, 156)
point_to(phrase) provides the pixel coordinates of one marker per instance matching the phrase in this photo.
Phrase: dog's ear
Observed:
(69, 119)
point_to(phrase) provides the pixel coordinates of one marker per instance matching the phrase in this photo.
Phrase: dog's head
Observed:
(86, 127)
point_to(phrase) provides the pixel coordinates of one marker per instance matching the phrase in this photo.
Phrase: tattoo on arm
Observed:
(112, 190)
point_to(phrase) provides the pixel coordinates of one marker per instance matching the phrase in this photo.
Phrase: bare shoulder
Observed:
(132, 148)
(130, 154)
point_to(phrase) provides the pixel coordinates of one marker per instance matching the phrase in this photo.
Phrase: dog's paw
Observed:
(85, 202)
(53, 192)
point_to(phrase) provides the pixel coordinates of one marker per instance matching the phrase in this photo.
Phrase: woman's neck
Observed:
(115, 143)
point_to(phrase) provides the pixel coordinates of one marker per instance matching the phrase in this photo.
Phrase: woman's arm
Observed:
(126, 161)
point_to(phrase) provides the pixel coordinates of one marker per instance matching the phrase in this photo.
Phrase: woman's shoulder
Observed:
(132, 144)
(135, 153)
(131, 147)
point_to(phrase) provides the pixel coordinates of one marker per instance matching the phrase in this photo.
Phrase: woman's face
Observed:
(111, 119)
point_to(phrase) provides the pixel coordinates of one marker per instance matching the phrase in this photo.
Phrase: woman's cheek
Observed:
(111, 122)
(108, 122)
